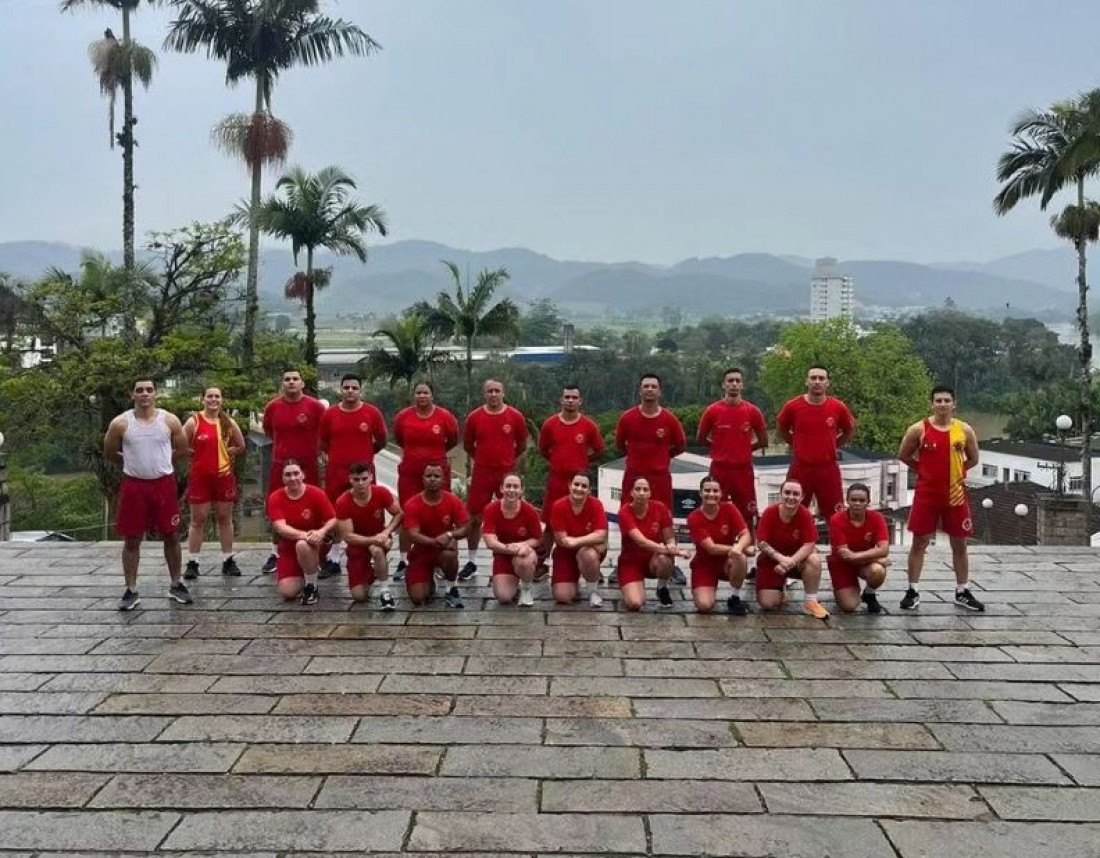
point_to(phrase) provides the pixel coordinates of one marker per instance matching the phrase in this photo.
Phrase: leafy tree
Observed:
(259, 41)
(411, 352)
(541, 324)
(1032, 414)
(116, 65)
(316, 210)
(472, 313)
(878, 375)
(1052, 150)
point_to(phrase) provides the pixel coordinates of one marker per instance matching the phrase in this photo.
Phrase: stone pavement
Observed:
(242, 726)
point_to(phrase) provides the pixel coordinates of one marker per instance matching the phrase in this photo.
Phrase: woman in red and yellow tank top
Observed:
(215, 441)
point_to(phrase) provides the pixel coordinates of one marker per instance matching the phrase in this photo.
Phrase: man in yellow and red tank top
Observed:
(941, 449)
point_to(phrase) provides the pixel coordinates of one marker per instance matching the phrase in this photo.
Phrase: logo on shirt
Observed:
(364, 427)
(435, 429)
(661, 432)
(725, 530)
(506, 428)
(447, 520)
(523, 531)
(796, 533)
(746, 428)
(307, 514)
(579, 437)
(303, 417)
(830, 422)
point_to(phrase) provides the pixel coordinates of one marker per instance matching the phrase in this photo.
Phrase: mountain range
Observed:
(1036, 282)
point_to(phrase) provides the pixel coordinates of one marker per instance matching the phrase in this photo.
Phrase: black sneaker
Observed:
(385, 602)
(678, 577)
(468, 571)
(399, 572)
(664, 597)
(180, 593)
(966, 599)
(453, 599)
(230, 568)
(869, 598)
(911, 600)
(130, 600)
(736, 607)
(751, 576)
(270, 564)
(309, 594)
(329, 569)
(191, 570)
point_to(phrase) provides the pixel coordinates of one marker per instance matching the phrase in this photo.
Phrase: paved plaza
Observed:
(244, 726)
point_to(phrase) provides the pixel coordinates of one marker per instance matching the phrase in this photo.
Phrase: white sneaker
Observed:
(526, 597)
(595, 600)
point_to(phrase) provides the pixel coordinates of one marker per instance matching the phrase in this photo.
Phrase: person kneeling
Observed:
(787, 542)
(512, 531)
(722, 543)
(361, 512)
(579, 525)
(435, 520)
(649, 547)
(860, 550)
(302, 517)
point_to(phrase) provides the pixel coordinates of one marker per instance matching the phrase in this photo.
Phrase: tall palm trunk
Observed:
(469, 373)
(127, 151)
(1085, 356)
(311, 315)
(251, 289)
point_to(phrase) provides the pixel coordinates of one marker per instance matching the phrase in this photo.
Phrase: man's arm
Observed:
(971, 448)
(679, 437)
(848, 427)
(784, 424)
(179, 440)
(620, 434)
(760, 430)
(112, 441)
(910, 443)
(468, 433)
(378, 430)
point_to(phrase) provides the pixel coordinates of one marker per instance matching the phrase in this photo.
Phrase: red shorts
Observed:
(738, 485)
(360, 571)
(422, 565)
(660, 486)
(275, 475)
(768, 576)
(557, 487)
(211, 488)
(410, 478)
(484, 486)
(843, 575)
(930, 514)
(502, 565)
(822, 482)
(708, 573)
(633, 571)
(148, 506)
(564, 568)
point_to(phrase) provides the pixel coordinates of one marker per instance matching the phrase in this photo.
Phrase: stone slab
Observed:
(339, 759)
(505, 795)
(763, 834)
(543, 832)
(105, 831)
(285, 830)
(364, 704)
(803, 688)
(1036, 740)
(138, 757)
(1048, 714)
(229, 665)
(748, 764)
(536, 761)
(638, 732)
(80, 728)
(48, 703)
(1003, 839)
(410, 684)
(290, 685)
(183, 704)
(725, 709)
(949, 766)
(259, 728)
(935, 801)
(633, 687)
(549, 666)
(448, 730)
(603, 796)
(43, 790)
(198, 791)
(128, 683)
(849, 735)
(1054, 804)
(957, 689)
(898, 711)
(1083, 768)
(544, 707)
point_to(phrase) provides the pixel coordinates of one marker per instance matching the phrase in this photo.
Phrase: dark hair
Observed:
(783, 484)
(858, 487)
(735, 369)
(571, 385)
(820, 366)
(224, 420)
(646, 375)
(294, 370)
(425, 383)
(943, 388)
(288, 463)
(362, 468)
(581, 474)
(350, 376)
(142, 378)
(709, 478)
(432, 465)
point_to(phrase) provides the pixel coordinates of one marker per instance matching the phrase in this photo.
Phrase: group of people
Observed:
(356, 521)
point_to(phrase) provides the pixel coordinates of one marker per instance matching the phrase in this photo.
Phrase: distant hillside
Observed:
(1034, 282)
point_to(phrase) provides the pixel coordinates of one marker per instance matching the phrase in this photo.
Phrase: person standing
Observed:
(570, 442)
(361, 518)
(215, 441)
(435, 521)
(942, 450)
(292, 421)
(816, 426)
(147, 441)
(786, 540)
(351, 432)
(495, 438)
(722, 544)
(425, 432)
(650, 436)
(734, 429)
(859, 550)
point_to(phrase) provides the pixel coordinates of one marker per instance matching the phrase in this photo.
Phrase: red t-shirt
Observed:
(309, 512)
(786, 537)
(495, 440)
(568, 446)
(525, 525)
(652, 524)
(209, 449)
(815, 428)
(568, 523)
(370, 518)
(352, 436)
(723, 529)
(858, 537)
(649, 442)
(731, 431)
(434, 519)
(293, 428)
(425, 439)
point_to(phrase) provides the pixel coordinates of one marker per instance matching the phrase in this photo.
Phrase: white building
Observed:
(1003, 460)
(832, 294)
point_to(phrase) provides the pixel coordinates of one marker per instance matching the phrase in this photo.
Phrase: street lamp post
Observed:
(1021, 511)
(987, 505)
(1062, 423)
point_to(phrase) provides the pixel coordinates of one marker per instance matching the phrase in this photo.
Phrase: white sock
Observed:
(960, 587)
(192, 557)
(311, 579)
(471, 553)
(811, 597)
(227, 557)
(737, 592)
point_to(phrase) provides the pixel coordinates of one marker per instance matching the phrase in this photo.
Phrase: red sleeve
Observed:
(343, 505)
(808, 524)
(557, 515)
(459, 510)
(545, 439)
(468, 433)
(882, 532)
(398, 434)
(620, 432)
(846, 421)
(737, 521)
(706, 425)
(378, 427)
(322, 503)
(275, 506)
(521, 434)
(534, 520)
(665, 516)
(267, 418)
(489, 522)
(412, 514)
(758, 421)
(679, 439)
(786, 416)
(697, 527)
(319, 409)
(385, 496)
(595, 440)
(765, 527)
(324, 431)
(601, 514)
(838, 530)
(627, 521)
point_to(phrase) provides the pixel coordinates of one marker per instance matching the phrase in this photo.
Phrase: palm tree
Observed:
(316, 210)
(411, 352)
(116, 65)
(1052, 150)
(470, 313)
(259, 39)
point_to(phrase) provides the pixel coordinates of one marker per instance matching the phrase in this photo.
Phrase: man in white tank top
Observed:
(147, 441)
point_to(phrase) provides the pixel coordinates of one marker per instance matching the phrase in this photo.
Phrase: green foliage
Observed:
(541, 324)
(71, 504)
(878, 375)
(1032, 415)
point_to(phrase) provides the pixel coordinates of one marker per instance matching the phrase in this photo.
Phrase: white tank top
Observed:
(147, 447)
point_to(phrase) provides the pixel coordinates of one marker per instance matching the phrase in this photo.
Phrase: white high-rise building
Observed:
(831, 293)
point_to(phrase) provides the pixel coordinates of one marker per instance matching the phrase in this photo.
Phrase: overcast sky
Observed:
(584, 129)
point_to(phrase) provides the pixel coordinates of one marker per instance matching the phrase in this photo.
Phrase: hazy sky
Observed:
(585, 129)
